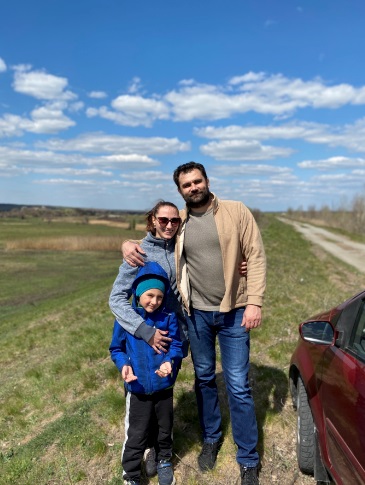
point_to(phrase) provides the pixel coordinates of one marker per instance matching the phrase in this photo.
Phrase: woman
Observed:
(163, 222)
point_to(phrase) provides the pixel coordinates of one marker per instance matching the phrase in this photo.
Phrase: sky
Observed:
(101, 100)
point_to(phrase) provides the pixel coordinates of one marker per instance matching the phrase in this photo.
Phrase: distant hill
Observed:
(9, 207)
(29, 209)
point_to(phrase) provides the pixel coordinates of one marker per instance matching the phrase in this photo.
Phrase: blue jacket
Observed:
(126, 349)
(162, 252)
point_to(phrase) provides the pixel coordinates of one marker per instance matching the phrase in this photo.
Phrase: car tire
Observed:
(305, 431)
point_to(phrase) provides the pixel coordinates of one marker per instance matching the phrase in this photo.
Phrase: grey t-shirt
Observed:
(204, 261)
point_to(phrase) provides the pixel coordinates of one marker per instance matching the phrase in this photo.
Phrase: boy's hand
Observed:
(159, 341)
(132, 253)
(164, 370)
(127, 374)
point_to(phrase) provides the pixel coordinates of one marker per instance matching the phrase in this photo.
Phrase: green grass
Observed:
(61, 399)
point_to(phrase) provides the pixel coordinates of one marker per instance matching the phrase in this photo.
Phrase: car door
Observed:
(342, 393)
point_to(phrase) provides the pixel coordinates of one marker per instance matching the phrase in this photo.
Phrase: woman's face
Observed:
(166, 222)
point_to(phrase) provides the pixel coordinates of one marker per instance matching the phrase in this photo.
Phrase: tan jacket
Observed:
(239, 238)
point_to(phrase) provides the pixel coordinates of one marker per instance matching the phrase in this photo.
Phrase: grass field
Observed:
(61, 399)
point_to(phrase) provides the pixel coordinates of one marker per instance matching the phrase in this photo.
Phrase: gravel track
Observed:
(350, 252)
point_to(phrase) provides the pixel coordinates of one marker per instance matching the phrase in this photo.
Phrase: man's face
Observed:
(194, 188)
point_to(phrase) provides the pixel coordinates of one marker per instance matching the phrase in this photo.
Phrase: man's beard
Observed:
(200, 199)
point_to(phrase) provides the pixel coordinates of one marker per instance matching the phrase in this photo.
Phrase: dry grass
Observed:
(110, 223)
(68, 243)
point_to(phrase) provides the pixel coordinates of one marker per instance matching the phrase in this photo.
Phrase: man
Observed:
(214, 238)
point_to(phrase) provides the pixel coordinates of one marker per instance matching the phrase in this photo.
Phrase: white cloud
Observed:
(243, 150)
(75, 107)
(31, 159)
(130, 159)
(140, 111)
(202, 102)
(47, 119)
(121, 118)
(73, 171)
(40, 84)
(351, 136)
(97, 94)
(67, 182)
(249, 77)
(249, 170)
(258, 92)
(287, 131)
(342, 181)
(333, 163)
(38, 158)
(135, 85)
(147, 175)
(2, 65)
(132, 109)
(101, 142)
(315, 93)
(10, 125)
(118, 118)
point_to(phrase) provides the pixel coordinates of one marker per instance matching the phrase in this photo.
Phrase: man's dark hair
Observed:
(188, 167)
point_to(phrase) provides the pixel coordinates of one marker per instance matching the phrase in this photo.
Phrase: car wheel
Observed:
(305, 431)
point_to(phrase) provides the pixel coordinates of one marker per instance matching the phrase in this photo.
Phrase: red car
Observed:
(327, 385)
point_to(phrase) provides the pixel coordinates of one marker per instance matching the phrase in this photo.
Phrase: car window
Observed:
(357, 340)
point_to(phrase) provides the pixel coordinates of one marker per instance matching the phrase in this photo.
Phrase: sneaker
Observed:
(208, 455)
(150, 462)
(131, 482)
(249, 476)
(165, 473)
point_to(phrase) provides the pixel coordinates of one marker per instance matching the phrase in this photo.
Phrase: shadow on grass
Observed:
(269, 389)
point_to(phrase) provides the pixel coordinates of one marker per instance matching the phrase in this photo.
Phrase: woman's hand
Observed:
(242, 268)
(132, 253)
(164, 370)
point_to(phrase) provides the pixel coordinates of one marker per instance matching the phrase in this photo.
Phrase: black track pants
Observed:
(140, 409)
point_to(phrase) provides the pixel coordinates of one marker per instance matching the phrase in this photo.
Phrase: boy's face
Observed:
(150, 300)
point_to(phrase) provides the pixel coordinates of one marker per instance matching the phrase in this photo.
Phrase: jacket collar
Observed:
(157, 241)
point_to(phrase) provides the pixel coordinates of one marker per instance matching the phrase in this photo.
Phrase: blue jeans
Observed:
(234, 344)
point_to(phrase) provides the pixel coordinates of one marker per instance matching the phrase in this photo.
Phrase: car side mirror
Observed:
(317, 332)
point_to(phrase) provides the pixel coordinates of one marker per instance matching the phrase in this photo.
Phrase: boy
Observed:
(148, 376)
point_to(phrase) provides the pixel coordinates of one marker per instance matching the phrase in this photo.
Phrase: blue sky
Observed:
(101, 100)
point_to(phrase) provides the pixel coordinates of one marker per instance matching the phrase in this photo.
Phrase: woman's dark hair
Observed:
(188, 167)
(152, 213)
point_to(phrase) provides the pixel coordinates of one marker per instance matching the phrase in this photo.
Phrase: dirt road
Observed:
(341, 247)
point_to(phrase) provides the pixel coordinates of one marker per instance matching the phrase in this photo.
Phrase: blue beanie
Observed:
(149, 284)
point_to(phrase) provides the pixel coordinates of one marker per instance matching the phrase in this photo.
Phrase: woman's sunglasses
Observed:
(163, 221)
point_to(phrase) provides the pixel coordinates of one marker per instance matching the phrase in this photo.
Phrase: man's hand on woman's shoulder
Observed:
(132, 253)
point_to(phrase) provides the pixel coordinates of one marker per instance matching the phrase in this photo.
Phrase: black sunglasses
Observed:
(165, 220)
